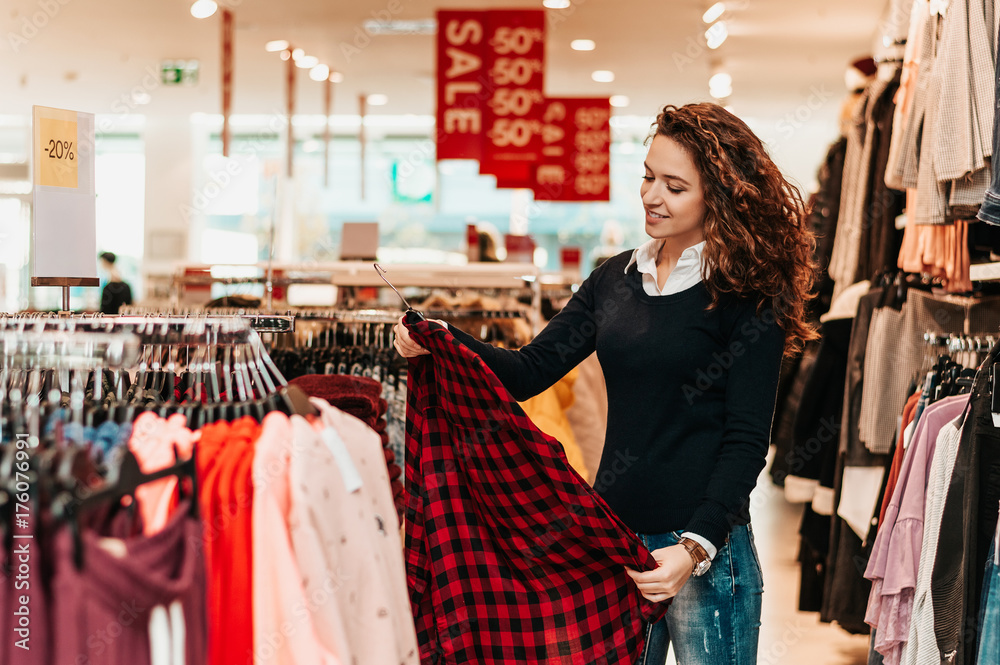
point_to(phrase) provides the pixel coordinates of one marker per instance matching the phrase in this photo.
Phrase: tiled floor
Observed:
(790, 637)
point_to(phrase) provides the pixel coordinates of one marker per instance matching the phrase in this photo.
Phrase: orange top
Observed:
(225, 488)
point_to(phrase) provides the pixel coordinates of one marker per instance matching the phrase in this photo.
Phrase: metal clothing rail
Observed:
(262, 322)
(149, 329)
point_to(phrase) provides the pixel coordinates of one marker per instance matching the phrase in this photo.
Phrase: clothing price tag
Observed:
(996, 419)
(349, 472)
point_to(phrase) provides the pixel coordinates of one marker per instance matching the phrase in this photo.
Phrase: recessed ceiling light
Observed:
(203, 8)
(380, 26)
(298, 53)
(720, 85)
(713, 12)
(717, 34)
(620, 101)
(307, 62)
(336, 77)
(286, 54)
(582, 45)
(276, 45)
(555, 4)
(603, 76)
(721, 79)
(378, 100)
(319, 73)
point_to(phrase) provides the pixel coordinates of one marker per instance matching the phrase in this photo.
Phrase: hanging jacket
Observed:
(510, 555)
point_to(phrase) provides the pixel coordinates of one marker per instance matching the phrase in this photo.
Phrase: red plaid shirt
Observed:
(510, 556)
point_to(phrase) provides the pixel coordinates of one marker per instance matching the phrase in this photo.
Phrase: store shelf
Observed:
(362, 273)
(984, 271)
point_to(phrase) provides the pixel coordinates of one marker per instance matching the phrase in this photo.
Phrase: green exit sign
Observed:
(179, 72)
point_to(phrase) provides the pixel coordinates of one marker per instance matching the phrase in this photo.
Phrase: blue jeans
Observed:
(990, 210)
(989, 615)
(715, 619)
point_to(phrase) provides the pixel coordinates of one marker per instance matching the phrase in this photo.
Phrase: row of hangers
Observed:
(225, 357)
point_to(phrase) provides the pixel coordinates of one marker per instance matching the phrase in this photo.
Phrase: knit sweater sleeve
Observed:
(562, 345)
(754, 350)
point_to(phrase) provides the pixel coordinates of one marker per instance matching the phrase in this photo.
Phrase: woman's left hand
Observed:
(675, 567)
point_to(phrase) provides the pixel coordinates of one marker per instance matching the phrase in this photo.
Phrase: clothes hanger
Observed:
(125, 477)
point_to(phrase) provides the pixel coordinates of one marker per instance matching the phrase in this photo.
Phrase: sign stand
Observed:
(64, 219)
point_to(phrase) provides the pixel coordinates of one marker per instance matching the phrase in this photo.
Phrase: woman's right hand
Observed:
(404, 344)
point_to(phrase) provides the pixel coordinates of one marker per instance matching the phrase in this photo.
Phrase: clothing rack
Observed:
(476, 314)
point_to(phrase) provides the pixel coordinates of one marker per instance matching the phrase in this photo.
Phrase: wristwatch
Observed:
(698, 554)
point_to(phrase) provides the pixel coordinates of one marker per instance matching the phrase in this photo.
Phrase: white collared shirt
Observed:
(685, 274)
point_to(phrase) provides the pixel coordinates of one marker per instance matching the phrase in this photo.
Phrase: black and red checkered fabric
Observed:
(510, 556)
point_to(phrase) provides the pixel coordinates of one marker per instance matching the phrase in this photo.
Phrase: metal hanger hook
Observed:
(382, 273)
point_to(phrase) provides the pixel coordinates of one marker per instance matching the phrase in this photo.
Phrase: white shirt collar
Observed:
(685, 274)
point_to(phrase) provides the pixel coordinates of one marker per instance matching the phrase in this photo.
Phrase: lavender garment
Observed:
(896, 552)
(103, 611)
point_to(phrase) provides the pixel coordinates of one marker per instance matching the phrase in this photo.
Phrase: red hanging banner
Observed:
(512, 114)
(227, 78)
(290, 111)
(576, 151)
(461, 83)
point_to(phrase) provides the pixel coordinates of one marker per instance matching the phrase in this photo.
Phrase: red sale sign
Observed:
(576, 151)
(512, 114)
(462, 84)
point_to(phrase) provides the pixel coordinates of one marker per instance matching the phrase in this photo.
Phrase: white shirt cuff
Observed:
(704, 542)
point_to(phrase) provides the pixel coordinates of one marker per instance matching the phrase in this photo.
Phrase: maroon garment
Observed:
(102, 611)
(27, 608)
(510, 555)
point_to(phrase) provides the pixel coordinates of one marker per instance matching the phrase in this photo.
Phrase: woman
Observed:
(690, 329)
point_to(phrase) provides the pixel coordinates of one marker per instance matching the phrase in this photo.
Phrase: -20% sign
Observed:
(60, 150)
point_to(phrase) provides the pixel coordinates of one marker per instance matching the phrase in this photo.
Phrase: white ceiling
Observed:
(92, 54)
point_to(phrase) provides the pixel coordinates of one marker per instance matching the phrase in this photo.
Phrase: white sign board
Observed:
(64, 219)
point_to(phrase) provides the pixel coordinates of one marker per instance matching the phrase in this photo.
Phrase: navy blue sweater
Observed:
(691, 395)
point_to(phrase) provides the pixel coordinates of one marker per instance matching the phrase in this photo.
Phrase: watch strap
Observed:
(699, 556)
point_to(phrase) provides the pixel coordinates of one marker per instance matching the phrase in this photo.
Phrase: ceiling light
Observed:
(203, 8)
(298, 53)
(307, 61)
(720, 85)
(619, 101)
(582, 45)
(336, 77)
(276, 45)
(714, 12)
(141, 97)
(380, 26)
(603, 76)
(286, 54)
(717, 34)
(720, 80)
(555, 4)
(319, 73)
(377, 100)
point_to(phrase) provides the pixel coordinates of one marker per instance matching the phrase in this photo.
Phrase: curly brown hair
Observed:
(756, 239)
